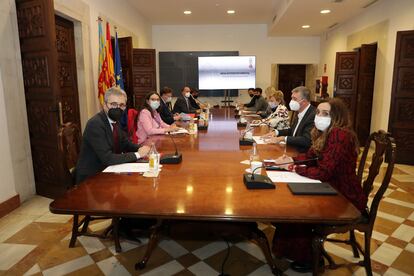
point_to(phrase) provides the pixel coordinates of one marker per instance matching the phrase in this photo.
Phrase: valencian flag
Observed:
(119, 80)
(106, 73)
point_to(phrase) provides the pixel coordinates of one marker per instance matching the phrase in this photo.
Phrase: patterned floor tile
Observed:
(12, 254)
(202, 269)
(404, 262)
(68, 267)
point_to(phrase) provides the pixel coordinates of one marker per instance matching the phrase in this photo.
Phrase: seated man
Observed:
(183, 105)
(252, 100)
(298, 135)
(103, 141)
(165, 108)
(195, 102)
(260, 104)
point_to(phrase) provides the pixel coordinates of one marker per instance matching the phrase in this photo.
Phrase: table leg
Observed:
(74, 231)
(152, 243)
(261, 240)
(115, 233)
(317, 242)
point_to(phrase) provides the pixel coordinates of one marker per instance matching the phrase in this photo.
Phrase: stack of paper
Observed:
(128, 168)
(179, 131)
(289, 177)
(259, 140)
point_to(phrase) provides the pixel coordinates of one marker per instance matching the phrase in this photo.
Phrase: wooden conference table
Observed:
(206, 186)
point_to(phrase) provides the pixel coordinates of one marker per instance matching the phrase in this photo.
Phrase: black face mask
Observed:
(115, 114)
(195, 96)
(251, 95)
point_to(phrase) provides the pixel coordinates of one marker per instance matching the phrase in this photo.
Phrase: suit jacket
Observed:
(260, 104)
(193, 102)
(302, 139)
(165, 112)
(180, 106)
(96, 149)
(251, 103)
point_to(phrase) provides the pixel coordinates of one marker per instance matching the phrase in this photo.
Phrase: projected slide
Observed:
(231, 72)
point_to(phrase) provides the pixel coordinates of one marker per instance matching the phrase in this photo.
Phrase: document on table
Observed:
(289, 177)
(259, 140)
(128, 168)
(179, 131)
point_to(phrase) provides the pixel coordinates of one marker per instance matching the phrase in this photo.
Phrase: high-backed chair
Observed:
(384, 148)
(69, 141)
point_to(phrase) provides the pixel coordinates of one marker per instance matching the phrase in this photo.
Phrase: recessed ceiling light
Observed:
(187, 12)
(231, 11)
(305, 26)
(325, 11)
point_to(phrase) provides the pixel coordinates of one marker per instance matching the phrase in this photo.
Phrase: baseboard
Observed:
(9, 205)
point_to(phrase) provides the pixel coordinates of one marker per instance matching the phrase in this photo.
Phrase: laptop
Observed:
(323, 188)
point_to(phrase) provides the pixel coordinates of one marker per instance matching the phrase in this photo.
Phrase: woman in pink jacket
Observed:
(150, 122)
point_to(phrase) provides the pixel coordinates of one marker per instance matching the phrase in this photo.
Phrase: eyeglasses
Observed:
(116, 105)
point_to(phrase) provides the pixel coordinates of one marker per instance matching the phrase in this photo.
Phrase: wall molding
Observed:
(9, 205)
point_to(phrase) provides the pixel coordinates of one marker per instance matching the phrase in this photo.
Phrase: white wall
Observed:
(379, 23)
(16, 168)
(247, 39)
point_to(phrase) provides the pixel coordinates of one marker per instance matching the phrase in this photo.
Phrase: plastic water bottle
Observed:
(153, 157)
(254, 155)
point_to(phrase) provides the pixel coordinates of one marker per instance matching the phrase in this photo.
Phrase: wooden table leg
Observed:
(317, 242)
(152, 243)
(261, 240)
(74, 231)
(115, 233)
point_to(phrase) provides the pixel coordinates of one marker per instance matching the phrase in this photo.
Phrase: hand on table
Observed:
(143, 151)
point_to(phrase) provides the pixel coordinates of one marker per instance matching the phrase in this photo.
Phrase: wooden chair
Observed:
(384, 147)
(69, 141)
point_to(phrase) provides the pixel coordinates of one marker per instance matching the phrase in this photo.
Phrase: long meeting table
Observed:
(207, 187)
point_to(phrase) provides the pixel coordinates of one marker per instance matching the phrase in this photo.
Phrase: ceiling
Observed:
(283, 17)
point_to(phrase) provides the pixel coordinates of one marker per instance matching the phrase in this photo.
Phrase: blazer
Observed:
(260, 104)
(302, 139)
(180, 106)
(251, 103)
(96, 149)
(193, 102)
(147, 125)
(165, 112)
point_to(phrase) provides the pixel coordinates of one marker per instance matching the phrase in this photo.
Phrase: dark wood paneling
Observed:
(401, 120)
(143, 74)
(290, 76)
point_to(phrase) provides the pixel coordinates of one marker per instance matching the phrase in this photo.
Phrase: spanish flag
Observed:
(106, 74)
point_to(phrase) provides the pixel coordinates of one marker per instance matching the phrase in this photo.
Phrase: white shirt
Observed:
(112, 128)
(300, 116)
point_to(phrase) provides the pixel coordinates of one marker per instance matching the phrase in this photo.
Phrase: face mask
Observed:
(115, 114)
(273, 105)
(195, 96)
(168, 100)
(294, 105)
(251, 95)
(322, 123)
(187, 95)
(154, 104)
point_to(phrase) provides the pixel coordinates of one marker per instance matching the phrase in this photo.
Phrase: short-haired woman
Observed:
(335, 145)
(277, 115)
(149, 121)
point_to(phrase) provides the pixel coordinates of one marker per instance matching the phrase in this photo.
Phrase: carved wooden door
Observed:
(44, 72)
(143, 74)
(291, 76)
(366, 79)
(125, 51)
(401, 120)
(346, 79)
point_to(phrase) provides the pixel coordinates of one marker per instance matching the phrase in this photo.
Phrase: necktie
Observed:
(115, 136)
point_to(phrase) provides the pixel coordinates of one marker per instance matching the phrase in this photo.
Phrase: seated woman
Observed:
(149, 121)
(277, 115)
(336, 146)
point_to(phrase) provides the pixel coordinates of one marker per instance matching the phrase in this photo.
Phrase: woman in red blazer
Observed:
(335, 144)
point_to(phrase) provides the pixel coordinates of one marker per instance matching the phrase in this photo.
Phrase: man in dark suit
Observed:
(165, 108)
(183, 105)
(103, 142)
(298, 135)
(252, 100)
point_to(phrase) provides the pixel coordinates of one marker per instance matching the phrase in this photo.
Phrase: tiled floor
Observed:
(35, 242)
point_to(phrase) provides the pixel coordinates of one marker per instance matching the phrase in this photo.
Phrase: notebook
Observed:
(323, 188)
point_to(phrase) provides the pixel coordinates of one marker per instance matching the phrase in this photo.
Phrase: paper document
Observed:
(127, 168)
(289, 177)
(179, 131)
(259, 140)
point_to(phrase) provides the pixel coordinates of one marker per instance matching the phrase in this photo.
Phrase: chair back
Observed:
(384, 148)
(132, 125)
(69, 140)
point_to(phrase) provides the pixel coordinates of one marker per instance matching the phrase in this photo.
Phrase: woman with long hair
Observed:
(149, 120)
(335, 150)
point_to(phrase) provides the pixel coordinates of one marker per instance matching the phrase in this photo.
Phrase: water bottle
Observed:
(254, 155)
(153, 157)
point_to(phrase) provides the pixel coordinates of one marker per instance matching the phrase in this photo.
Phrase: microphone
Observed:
(258, 181)
(246, 141)
(174, 158)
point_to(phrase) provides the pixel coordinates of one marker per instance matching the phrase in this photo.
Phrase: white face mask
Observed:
(154, 104)
(168, 100)
(273, 104)
(294, 105)
(322, 123)
(187, 95)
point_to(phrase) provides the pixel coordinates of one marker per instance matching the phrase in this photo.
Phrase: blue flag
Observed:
(119, 80)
